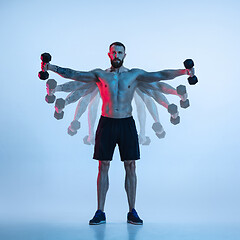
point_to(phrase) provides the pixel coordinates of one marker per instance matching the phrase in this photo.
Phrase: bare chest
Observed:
(117, 83)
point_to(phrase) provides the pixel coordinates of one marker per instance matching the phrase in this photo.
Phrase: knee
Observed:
(104, 166)
(130, 166)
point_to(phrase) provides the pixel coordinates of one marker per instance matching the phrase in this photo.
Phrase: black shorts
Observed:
(112, 131)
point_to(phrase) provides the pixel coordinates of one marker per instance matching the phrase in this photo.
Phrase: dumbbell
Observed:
(46, 58)
(51, 85)
(181, 90)
(88, 141)
(188, 64)
(146, 142)
(85, 140)
(172, 109)
(59, 106)
(158, 129)
(74, 126)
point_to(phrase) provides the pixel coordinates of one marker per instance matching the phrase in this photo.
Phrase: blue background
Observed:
(190, 176)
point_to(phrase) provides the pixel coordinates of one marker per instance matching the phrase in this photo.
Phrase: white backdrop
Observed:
(191, 175)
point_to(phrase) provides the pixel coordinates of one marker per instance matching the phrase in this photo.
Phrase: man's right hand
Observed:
(190, 72)
(45, 66)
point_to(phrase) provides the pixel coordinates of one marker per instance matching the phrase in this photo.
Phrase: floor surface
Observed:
(115, 231)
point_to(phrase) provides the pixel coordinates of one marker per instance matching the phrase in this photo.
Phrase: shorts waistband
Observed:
(116, 118)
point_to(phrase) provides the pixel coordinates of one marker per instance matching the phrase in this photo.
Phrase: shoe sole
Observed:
(102, 222)
(135, 223)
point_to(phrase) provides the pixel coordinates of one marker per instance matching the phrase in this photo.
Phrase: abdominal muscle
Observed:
(116, 104)
(117, 96)
(118, 111)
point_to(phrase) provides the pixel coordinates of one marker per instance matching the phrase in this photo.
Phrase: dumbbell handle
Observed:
(59, 105)
(50, 92)
(191, 72)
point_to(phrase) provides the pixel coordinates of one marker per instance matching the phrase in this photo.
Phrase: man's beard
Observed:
(116, 63)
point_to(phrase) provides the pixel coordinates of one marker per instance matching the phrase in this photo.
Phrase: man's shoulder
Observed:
(138, 70)
(96, 70)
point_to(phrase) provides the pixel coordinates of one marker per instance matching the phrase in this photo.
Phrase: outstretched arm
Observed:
(92, 114)
(70, 73)
(163, 75)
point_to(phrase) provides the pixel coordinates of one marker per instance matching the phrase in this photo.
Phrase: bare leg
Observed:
(102, 183)
(130, 182)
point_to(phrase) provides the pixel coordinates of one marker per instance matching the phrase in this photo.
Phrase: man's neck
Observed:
(118, 70)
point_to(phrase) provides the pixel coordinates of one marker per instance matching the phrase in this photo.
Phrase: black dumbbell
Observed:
(181, 90)
(188, 64)
(172, 109)
(59, 106)
(46, 58)
(51, 85)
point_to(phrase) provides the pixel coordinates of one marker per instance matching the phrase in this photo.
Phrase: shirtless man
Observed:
(116, 125)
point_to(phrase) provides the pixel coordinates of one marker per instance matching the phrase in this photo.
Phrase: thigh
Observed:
(105, 141)
(128, 141)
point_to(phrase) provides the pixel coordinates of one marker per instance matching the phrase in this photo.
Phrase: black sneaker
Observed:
(98, 218)
(133, 218)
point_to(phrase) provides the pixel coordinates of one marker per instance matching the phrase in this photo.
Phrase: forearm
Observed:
(68, 86)
(81, 107)
(152, 108)
(171, 74)
(161, 75)
(72, 74)
(141, 113)
(92, 113)
(63, 72)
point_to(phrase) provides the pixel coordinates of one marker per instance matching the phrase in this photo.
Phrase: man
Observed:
(116, 125)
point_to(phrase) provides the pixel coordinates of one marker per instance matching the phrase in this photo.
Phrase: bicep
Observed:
(150, 77)
(85, 76)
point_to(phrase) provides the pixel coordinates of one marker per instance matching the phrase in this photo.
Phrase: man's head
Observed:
(116, 54)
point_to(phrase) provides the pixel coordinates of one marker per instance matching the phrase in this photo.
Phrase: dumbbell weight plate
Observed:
(70, 132)
(85, 141)
(75, 124)
(188, 63)
(192, 80)
(172, 109)
(184, 104)
(43, 75)
(161, 135)
(58, 116)
(51, 83)
(50, 99)
(46, 57)
(181, 89)
(60, 103)
(175, 121)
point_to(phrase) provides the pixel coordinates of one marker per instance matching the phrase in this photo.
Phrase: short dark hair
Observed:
(117, 44)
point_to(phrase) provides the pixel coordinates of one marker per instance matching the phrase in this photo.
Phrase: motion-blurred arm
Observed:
(92, 115)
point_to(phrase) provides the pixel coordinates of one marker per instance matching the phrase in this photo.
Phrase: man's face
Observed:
(116, 55)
